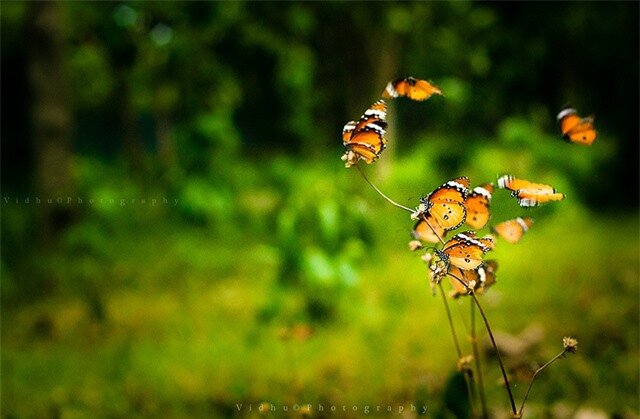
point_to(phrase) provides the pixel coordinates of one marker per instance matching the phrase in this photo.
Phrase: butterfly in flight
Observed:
(527, 193)
(415, 89)
(364, 139)
(575, 129)
(477, 205)
(465, 250)
(445, 204)
(479, 279)
(513, 230)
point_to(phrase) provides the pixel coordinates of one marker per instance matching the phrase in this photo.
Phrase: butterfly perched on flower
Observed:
(478, 279)
(465, 250)
(445, 204)
(513, 230)
(415, 89)
(529, 194)
(364, 139)
(575, 129)
(477, 205)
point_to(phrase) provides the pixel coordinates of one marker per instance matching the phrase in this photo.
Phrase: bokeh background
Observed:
(179, 234)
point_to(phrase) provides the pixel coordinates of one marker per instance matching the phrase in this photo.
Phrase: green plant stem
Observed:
(535, 374)
(476, 356)
(467, 377)
(391, 201)
(495, 346)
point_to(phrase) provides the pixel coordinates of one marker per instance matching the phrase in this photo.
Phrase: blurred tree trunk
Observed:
(50, 118)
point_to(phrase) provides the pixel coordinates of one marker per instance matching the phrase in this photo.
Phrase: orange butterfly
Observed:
(576, 129)
(477, 205)
(479, 279)
(529, 194)
(446, 203)
(410, 87)
(513, 230)
(465, 250)
(429, 231)
(365, 139)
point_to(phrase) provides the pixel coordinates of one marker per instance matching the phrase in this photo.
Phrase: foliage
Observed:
(231, 112)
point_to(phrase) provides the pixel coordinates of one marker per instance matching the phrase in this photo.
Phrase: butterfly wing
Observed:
(465, 250)
(477, 205)
(583, 133)
(415, 89)
(533, 198)
(576, 129)
(423, 231)
(512, 230)
(529, 194)
(446, 203)
(365, 139)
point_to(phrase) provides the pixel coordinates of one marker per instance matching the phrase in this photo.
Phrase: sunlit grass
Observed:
(184, 329)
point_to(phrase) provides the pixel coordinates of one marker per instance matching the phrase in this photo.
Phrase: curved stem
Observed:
(493, 342)
(476, 356)
(391, 201)
(560, 355)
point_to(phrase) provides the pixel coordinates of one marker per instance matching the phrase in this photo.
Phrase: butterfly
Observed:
(415, 89)
(513, 230)
(576, 129)
(479, 279)
(428, 230)
(364, 139)
(477, 205)
(446, 204)
(465, 250)
(529, 194)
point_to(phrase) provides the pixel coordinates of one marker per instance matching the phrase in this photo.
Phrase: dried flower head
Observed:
(427, 257)
(350, 158)
(422, 208)
(415, 245)
(464, 363)
(437, 271)
(570, 344)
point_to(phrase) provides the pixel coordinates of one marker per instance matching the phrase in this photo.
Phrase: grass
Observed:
(182, 331)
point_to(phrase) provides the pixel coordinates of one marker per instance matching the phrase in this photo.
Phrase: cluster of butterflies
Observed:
(453, 204)
(364, 139)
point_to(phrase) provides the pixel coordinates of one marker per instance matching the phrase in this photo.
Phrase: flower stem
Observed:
(467, 375)
(391, 201)
(476, 356)
(493, 342)
(535, 374)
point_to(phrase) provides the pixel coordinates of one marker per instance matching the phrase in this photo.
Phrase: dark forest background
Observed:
(195, 151)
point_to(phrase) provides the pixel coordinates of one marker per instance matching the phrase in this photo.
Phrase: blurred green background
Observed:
(204, 245)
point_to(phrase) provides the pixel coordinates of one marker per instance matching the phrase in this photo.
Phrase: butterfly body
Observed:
(364, 139)
(527, 193)
(411, 87)
(575, 129)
